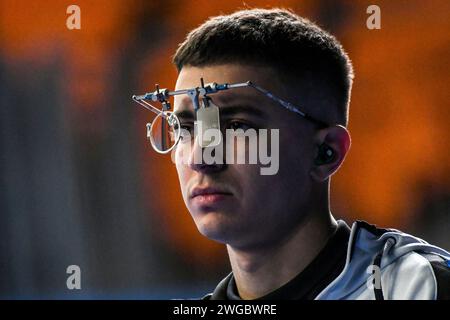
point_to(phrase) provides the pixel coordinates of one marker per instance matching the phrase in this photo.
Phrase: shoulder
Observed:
(390, 264)
(411, 268)
(409, 277)
(441, 270)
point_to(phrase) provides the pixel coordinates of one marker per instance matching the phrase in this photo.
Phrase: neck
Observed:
(259, 271)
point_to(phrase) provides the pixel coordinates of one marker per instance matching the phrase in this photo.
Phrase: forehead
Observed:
(225, 73)
(189, 77)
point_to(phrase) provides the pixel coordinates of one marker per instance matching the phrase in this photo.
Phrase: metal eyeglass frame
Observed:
(201, 92)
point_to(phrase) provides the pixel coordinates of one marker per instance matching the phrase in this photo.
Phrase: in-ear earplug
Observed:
(325, 155)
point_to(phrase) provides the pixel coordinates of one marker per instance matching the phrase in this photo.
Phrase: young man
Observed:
(281, 238)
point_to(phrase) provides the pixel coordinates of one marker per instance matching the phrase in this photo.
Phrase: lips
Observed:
(198, 191)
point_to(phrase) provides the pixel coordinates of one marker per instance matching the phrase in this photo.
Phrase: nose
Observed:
(206, 160)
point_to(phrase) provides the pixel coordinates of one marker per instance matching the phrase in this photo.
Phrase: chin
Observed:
(213, 226)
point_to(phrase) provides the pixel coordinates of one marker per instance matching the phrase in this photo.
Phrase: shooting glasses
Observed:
(165, 131)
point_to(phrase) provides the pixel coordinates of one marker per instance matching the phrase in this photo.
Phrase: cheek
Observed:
(252, 184)
(181, 153)
(296, 153)
(183, 171)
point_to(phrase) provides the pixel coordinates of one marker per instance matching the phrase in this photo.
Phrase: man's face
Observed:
(234, 203)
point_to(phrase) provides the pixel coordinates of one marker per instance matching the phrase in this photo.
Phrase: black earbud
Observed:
(325, 155)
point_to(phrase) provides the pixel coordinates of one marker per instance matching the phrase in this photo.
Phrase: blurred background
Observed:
(80, 185)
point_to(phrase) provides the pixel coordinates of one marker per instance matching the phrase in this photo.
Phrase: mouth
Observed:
(209, 195)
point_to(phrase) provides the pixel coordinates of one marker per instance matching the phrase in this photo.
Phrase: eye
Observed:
(187, 130)
(237, 124)
(187, 127)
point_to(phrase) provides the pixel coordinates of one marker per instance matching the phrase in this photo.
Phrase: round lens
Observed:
(164, 132)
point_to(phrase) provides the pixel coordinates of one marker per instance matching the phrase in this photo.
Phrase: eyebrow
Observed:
(243, 109)
(225, 112)
(184, 114)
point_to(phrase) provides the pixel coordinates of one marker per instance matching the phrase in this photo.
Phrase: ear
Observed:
(337, 138)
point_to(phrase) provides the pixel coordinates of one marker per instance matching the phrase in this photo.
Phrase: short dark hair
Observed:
(293, 45)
